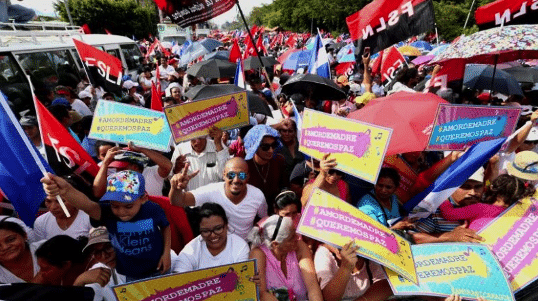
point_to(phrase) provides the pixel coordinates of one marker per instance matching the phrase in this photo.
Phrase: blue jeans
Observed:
(17, 12)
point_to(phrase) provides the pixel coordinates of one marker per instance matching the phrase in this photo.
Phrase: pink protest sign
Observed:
(460, 126)
(513, 238)
(227, 282)
(359, 148)
(329, 219)
(193, 119)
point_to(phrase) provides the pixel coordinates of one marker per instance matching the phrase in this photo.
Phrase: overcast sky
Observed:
(45, 7)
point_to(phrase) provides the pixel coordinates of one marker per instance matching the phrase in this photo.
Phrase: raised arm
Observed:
(99, 183)
(165, 165)
(55, 185)
(178, 183)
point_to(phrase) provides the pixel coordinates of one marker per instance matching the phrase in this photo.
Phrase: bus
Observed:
(49, 58)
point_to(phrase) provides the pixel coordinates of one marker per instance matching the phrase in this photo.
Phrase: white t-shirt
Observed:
(106, 293)
(80, 107)
(154, 182)
(7, 277)
(46, 227)
(196, 256)
(240, 216)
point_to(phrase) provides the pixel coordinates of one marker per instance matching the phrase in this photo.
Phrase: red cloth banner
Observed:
(509, 12)
(188, 12)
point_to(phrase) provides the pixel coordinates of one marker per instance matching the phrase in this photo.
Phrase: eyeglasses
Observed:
(217, 231)
(107, 250)
(242, 175)
(287, 131)
(266, 146)
(531, 142)
(333, 171)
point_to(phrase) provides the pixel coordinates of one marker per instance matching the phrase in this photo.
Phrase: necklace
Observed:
(266, 173)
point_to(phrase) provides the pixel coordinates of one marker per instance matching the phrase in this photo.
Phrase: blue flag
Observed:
(426, 202)
(319, 61)
(20, 173)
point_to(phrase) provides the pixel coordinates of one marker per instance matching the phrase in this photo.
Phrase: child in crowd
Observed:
(504, 191)
(138, 229)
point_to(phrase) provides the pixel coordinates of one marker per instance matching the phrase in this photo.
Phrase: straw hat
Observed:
(525, 166)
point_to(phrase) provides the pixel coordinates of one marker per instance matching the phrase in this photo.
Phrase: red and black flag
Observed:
(507, 12)
(189, 12)
(386, 22)
(391, 62)
(64, 154)
(103, 69)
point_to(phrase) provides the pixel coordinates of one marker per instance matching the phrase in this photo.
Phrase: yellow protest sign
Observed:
(193, 119)
(227, 282)
(513, 238)
(329, 219)
(443, 269)
(359, 148)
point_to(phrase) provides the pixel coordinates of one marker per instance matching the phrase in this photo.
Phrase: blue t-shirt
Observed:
(370, 206)
(139, 242)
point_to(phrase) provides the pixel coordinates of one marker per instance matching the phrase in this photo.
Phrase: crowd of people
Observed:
(238, 194)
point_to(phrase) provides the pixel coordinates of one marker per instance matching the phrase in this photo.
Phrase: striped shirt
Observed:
(435, 223)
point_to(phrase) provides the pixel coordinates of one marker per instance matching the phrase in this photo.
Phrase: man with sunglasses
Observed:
(267, 167)
(242, 202)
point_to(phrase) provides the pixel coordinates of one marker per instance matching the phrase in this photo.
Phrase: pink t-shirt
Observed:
(478, 215)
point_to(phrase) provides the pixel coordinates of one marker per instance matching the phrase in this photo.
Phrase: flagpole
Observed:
(468, 15)
(34, 155)
(255, 47)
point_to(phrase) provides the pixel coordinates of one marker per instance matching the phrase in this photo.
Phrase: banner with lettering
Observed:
(359, 147)
(507, 12)
(382, 23)
(468, 270)
(121, 123)
(513, 238)
(227, 282)
(193, 119)
(189, 12)
(459, 126)
(329, 219)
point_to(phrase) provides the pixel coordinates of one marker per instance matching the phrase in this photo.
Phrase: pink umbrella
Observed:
(423, 59)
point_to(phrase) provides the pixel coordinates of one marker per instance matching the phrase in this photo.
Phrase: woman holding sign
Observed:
(285, 263)
(328, 179)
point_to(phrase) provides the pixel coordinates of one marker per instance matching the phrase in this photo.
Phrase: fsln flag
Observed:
(239, 79)
(507, 12)
(426, 202)
(382, 23)
(319, 60)
(64, 154)
(103, 69)
(390, 64)
(20, 171)
(190, 12)
(235, 52)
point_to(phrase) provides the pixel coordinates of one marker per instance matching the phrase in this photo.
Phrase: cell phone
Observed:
(366, 51)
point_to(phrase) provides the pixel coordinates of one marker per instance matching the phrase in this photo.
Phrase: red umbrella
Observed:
(410, 115)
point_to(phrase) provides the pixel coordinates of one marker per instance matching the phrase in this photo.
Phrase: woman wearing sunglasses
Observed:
(328, 179)
(267, 168)
(214, 246)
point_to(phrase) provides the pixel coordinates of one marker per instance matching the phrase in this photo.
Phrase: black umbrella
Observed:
(255, 103)
(524, 74)
(252, 62)
(313, 85)
(213, 69)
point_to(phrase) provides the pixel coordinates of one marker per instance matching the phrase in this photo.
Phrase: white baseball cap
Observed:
(128, 84)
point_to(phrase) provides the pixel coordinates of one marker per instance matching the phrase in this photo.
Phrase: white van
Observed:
(49, 57)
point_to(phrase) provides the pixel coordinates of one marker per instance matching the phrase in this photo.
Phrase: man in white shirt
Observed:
(205, 155)
(164, 71)
(241, 202)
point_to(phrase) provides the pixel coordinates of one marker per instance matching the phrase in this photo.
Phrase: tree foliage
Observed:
(330, 15)
(121, 17)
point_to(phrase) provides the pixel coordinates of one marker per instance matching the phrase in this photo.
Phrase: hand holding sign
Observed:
(348, 255)
(327, 164)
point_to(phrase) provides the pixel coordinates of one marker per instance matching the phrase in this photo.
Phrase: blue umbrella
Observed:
(198, 49)
(346, 54)
(439, 49)
(485, 77)
(219, 55)
(296, 60)
(422, 45)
